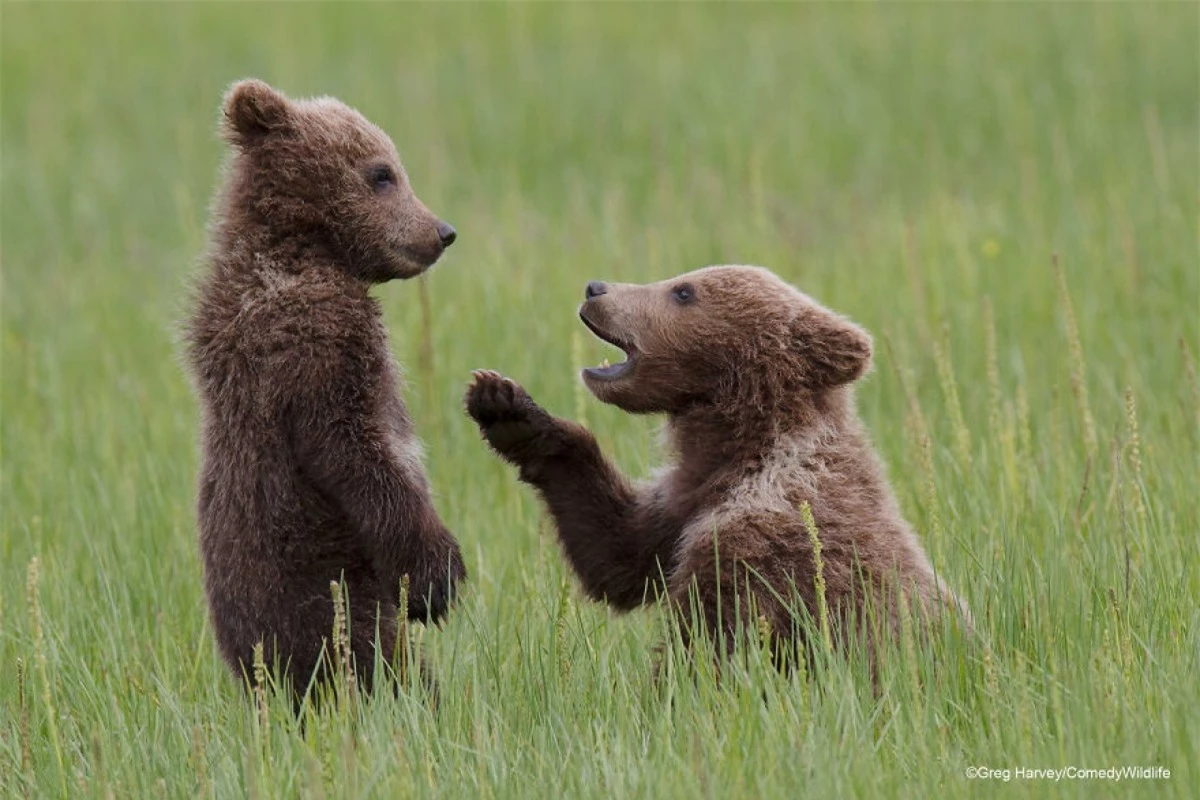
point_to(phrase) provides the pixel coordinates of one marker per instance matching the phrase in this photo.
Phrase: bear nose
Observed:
(447, 233)
(594, 289)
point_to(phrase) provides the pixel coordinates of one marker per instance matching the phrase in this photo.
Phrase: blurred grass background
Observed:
(915, 166)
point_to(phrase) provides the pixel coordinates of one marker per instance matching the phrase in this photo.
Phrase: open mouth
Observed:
(607, 371)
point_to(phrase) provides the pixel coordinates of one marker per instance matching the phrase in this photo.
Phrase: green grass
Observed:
(916, 167)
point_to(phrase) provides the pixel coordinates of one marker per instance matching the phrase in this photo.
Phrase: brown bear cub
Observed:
(756, 379)
(311, 470)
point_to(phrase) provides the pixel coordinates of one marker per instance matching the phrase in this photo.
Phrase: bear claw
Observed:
(507, 416)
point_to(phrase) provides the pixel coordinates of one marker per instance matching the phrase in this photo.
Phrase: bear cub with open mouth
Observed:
(756, 380)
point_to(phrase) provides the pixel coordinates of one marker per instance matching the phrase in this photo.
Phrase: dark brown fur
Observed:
(311, 470)
(755, 378)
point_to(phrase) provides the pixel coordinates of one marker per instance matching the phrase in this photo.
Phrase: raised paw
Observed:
(514, 425)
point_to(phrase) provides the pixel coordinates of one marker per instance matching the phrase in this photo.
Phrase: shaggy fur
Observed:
(311, 471)
(755, 378)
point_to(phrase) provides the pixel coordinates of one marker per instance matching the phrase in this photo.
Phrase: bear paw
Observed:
(511, 422)
(432, 587)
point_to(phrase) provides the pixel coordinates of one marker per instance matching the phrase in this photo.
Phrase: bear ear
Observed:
(834, 349)
(251, 111)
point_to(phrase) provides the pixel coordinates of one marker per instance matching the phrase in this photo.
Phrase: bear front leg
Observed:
(340, 451)
(617, 540)
(518, 429)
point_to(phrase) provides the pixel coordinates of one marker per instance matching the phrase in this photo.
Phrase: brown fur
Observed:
(311, 470)
(755, 378)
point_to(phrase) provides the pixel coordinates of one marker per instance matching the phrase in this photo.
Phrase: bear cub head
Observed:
(719, 336)
(317, 173)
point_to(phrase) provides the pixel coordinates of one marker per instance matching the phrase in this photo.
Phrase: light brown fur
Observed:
(756, 379)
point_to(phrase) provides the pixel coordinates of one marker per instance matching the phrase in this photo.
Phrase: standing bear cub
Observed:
(755, 378)
(311, 470)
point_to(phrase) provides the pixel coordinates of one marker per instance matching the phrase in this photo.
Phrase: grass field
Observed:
(917, 167)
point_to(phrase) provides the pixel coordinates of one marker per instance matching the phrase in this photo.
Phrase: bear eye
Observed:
(381, 177)
(684, 293)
